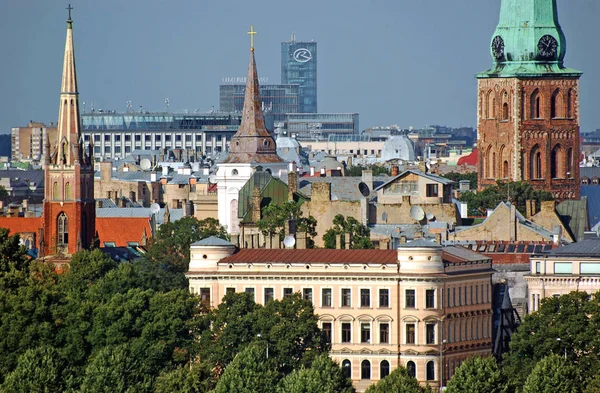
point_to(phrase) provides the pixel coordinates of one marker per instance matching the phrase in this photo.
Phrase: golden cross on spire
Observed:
(251, 33)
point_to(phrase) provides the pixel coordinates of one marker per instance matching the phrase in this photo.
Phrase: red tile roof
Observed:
(262, 255)
(122, 230)
(471, 159)
(21, 224)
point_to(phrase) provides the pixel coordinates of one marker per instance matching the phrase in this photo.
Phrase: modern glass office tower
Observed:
(299, 66)
(277, 100)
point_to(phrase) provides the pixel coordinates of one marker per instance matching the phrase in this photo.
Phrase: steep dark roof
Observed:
(585, 248)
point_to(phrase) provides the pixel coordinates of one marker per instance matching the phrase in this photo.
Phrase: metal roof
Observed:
(213, 241)
(430, 176)
(312, 256)
(585, 248)
(342, 188)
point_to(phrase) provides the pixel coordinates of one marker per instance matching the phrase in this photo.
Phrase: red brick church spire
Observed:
(252, 142)
(69, 208)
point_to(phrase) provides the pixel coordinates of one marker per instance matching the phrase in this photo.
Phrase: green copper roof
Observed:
(523, 47)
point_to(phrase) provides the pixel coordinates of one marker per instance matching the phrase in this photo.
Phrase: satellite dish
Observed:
(155, 208)
(289, 241)
(145, 164)
(430, 216)
(417, 213)
(364, 189)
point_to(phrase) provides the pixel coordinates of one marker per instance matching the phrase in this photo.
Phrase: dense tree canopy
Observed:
(359, 233)
(275, 217)
(456, 177)
(356, 170)
(553, 374)
(398, 380)
(516, 193)
(478, 375)
(323, 376)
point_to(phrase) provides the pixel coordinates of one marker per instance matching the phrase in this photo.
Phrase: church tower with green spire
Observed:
(528, 103)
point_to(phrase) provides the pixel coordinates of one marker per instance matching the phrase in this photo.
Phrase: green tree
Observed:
(593, 385)
(553, 374)
(478, 375)
(275, 217)
(356, 170)
(171, 245)
(323, 376)
(398, 380)
(567, 324)
(39, 370)
(249, 372)
(456, 177)
(514, 192)
(13, 256)
(195, 378)
(359, 233)
(3, 192)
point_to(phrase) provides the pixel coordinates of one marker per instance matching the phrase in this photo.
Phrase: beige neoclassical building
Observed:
(423, 306)
(575, 267)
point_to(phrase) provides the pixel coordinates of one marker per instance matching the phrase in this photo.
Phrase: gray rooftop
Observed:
(585, 248)
(342, 188)
(420, 243)
(213, 241)
(430, 176)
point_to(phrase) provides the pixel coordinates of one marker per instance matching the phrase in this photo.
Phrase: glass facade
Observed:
(277, 100)
(321, 125)
(299, 67)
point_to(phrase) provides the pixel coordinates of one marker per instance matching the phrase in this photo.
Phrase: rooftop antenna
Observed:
(167, 103)
(129, 106)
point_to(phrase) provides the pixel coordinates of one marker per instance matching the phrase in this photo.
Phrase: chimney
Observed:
(384, 244)
(321, 192)
(99, 204)
(394, 171)
(530, 210)
(165, 170)
(152, 176)
(347, 241)
(312, 170)
(25, 204)
(235, 239)
(206, 171)
(122, 202)
(403, 239)
(367, 178)
(300, 240)
(256, 199)
(189, 209)
(338, 241)
(292, 184)
(105, 171)
(438, 238)
(322, 172)
(548, 206)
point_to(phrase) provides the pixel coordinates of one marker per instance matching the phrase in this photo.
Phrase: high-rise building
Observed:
(299, 66)
(277, 100)
(27, 143)
(528, 105)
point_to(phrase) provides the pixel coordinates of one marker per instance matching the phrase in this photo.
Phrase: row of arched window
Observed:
(497, 166)
(561, 105)
(469, 329)
(384, 369)
(56, 191)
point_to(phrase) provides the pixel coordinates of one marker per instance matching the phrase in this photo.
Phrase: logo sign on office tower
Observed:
(302, 55)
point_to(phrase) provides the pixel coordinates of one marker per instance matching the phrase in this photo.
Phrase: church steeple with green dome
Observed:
(528, 41)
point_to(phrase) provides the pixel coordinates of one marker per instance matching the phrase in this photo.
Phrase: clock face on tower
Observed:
(498, 47)
(548, 46)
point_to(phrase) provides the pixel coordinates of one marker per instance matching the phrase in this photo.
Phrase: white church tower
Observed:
(252, 148)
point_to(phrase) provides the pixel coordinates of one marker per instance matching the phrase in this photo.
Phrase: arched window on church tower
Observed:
(556, 163)
(494, 165)
(487, 170)
(505, 106)
(536, 105)
(55, 195)
(535, 163)
(556, 105)
(63, 230)
(68, 191)
(570, 103)
(491, 105)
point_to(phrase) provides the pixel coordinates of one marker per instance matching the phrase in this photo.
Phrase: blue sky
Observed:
(406, 62)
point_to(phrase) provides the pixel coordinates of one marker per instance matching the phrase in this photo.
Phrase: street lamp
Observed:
(558, 339)
(260, 336)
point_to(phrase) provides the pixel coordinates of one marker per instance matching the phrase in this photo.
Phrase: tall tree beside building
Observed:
(275, 217)
(359, 233)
